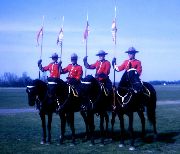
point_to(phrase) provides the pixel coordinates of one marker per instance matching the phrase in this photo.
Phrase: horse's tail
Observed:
(151, 104)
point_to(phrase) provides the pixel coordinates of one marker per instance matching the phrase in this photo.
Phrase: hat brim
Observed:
(131, 51)
(101, 54)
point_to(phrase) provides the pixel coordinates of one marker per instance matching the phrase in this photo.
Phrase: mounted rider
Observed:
(102, 67)
(132, 62)
(53, 67)
(74, 71)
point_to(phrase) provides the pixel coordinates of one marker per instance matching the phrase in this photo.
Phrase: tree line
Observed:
(12, 80)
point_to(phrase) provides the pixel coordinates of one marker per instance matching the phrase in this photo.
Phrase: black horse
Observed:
(98, 101)
(69, 101)
(131, 96)
(38, 95)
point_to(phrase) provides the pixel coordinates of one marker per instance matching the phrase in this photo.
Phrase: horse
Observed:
(133, 95)
(98, 101)
(68, 102)
(38, 95)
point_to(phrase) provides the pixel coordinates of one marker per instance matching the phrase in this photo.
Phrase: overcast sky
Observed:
(151, 26)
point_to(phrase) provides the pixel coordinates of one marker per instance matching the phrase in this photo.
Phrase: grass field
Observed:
(21, 133)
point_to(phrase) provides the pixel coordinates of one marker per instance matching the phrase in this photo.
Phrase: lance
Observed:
(60, 40)
(86, 32)
(40, 33)
(114, 33)
(42, 37)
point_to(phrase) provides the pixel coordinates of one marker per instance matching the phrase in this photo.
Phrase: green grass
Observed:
(21, 133)
(13, 98)
(168, 92)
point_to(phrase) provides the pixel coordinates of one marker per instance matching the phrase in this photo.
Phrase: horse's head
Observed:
(32, 93)
(132, 80)
(35, 90)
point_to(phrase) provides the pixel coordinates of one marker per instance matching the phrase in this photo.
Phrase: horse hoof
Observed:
(85, 139)
(61, 139)
(121, 145)
(72, 144)
(92, 141)
(48, 143)
(42, 142)
(101, 145)
(132, 148)
(155, 137)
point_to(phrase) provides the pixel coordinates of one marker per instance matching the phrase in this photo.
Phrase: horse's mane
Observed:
(39, 84)
(124, 82)
(57, 80)
(93, 88)
(90, 78)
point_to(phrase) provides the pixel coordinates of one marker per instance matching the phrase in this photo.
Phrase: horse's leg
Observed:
(71, 120)
(62, 116)
(43, 124)
(83, 114)
(153, 121)
(131, 130)
(90, 116)
(49, 127)
(121, 118)
(112, 124)
(141, 116)
(102, 115)
(106, 116)
(151, 114)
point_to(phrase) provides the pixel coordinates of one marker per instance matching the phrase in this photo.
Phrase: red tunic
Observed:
(134, 64)
(53, 68)
(75, 71)
(102, 67)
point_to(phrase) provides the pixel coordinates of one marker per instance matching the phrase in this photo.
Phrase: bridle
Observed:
(38, 102)
(127, 97)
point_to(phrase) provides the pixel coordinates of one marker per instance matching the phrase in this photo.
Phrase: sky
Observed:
(151, 26)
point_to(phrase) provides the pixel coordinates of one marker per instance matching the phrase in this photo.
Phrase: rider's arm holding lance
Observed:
(93, 66)
(40, 65)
